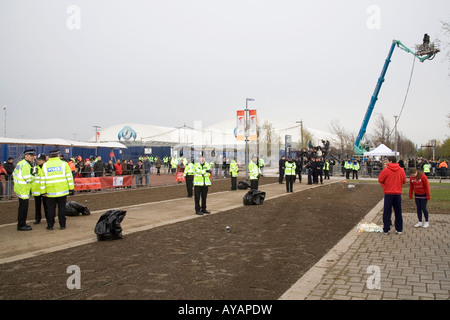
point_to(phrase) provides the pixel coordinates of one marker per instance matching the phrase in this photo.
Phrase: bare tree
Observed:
(446, 44)
(382, 131)
(344, 140)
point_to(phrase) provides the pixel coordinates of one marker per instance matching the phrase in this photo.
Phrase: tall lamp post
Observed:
(96, 132)
(301, 131)
(247, 120)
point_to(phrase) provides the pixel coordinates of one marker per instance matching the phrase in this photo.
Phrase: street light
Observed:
(301, 131)
(96, 132)
(246, 136)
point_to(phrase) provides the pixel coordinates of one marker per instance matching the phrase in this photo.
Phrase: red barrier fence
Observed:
(96, 183)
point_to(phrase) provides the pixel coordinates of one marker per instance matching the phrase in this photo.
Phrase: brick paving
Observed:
(374, 266)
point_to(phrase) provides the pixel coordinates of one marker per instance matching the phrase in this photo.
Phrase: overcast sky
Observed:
(66, 66)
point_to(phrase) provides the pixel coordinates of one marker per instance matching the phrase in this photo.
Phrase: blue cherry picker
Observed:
(424, 51)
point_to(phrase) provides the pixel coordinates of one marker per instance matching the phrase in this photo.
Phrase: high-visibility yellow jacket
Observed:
(174, 163)
(23, 179)
(234, 169)
(290, 168)
(57, 178)
(253, 171)
(201, 175)
(348, 165)
(326, 165)
(426, 168)
(260, 162)
(355, 166)
(37, 186)
(189, 169)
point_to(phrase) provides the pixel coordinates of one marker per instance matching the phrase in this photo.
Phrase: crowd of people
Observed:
(372, 167)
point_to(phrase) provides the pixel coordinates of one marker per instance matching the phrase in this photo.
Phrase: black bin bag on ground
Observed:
(75, 209)
(254, 197)
(243, 185)
(108, 226)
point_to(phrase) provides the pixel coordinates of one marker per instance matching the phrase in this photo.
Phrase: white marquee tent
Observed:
(381, 150)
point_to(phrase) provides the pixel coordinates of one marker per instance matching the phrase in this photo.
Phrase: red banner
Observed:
(102, 182)
(240, 125)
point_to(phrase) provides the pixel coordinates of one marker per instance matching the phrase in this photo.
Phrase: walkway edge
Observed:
(313, 277)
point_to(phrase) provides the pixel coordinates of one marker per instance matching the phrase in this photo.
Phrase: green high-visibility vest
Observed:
(201, 176)
(57, 178)
(426, 168)
(260, 162)
(326, 165)
(348, 165)
(37, 186)
(289, 168)
(253, 171)
(174, 163)
(189, 169)
(234, 169)
(355, 166)
(23, 179)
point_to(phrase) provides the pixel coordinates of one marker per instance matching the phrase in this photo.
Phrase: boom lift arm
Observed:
(425, 52)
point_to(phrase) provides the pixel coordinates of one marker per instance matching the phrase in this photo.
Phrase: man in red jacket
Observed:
(392, 178)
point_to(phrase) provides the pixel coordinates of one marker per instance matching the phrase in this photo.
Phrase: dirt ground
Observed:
(269, 247)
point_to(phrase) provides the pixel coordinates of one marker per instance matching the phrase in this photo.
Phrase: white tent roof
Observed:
(381, 150)
(218, 134)
(61, 143)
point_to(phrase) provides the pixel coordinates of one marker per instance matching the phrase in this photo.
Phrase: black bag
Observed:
(75, 209)
(108, 226)
(254, 197)
(243, 185)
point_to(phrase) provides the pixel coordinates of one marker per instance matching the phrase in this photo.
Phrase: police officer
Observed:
(319, 170)
(348, 166)
(281, 168)
(261, 165)
(253, 173)
(299, 168)
(201, 184)
(326, 169)
(37, 188)
(290, 172)
(189, 177)
(57, 184)
(23, 179)
(234, 171)
(355, 168)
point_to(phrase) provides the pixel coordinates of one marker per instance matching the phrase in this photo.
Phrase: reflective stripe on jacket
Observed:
(253, 171)
(290, 168)
(234, 169)
(23, 179)
(57, 178)
(201, 176)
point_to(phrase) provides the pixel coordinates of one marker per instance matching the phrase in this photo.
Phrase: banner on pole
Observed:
(240, 125)
(253, 131)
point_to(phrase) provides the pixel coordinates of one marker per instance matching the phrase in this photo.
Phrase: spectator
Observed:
(99, 166)
(392, 179)
(138, 171)
(109, 168)
(9, 182)
(118, 168)
(2, 173)
(125, 170)
(158, 165)
(86, 170)
(147, 168)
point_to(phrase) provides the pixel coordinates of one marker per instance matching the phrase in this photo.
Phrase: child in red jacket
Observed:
(419, 184)
(392, 178)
